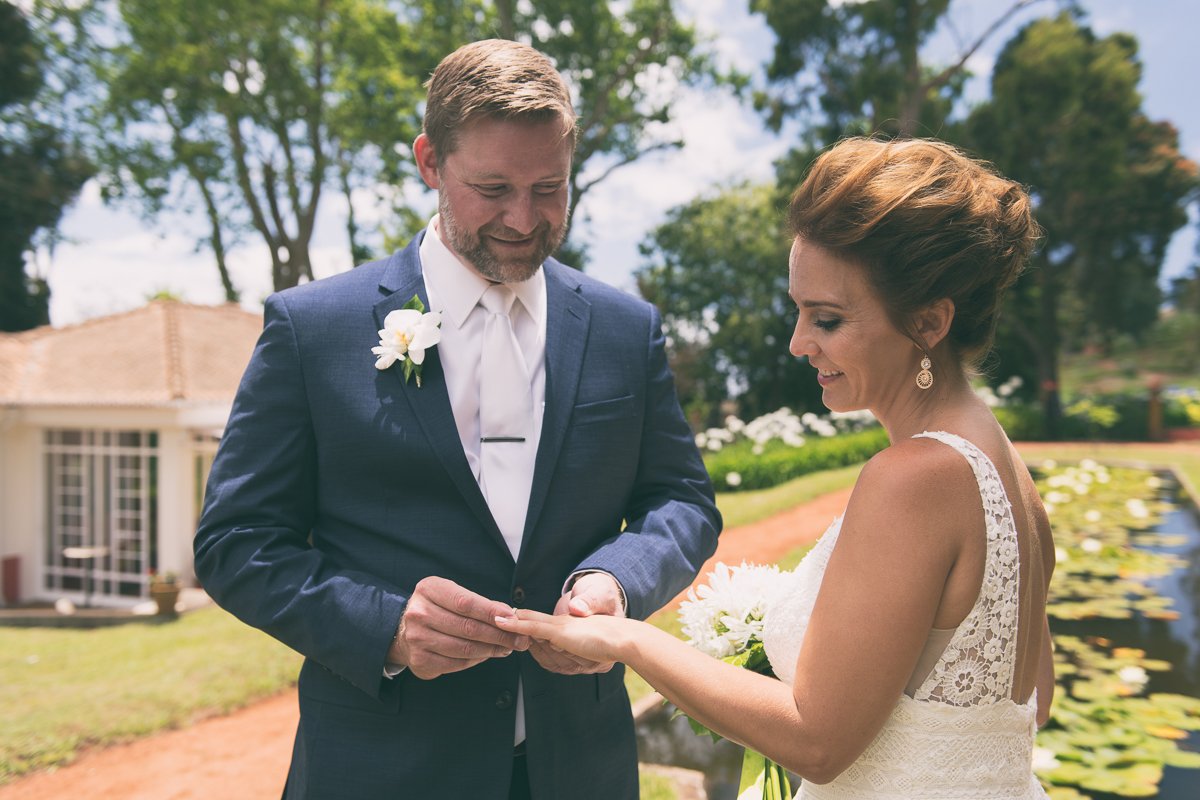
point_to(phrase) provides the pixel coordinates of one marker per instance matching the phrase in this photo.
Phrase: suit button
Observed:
(504, 700)
(518, 595)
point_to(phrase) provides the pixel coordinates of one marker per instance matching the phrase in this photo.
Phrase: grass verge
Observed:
(62, 690)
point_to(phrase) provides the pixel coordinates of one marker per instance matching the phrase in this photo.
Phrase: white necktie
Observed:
(505, 419)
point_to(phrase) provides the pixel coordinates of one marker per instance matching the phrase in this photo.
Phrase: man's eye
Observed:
(827, 324)
(492, 190)
(547, 188)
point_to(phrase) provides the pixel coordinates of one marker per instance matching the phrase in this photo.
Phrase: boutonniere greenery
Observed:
(406, 334)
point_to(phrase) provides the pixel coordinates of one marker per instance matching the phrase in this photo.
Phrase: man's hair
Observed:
(926, 221)
(497, 79)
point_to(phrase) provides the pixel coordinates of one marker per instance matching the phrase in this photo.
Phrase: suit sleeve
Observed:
(252, 546)
(671, 519)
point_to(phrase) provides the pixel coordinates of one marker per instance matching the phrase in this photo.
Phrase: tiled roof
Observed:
(164, 353)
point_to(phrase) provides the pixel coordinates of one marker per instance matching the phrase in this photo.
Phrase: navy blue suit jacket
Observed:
(337, 487)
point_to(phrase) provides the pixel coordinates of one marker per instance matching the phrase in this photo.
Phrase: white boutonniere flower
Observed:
(406, 334)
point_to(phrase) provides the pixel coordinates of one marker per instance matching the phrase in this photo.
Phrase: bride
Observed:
(912, 645)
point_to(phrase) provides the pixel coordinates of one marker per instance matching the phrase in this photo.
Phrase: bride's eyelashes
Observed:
(828, 323)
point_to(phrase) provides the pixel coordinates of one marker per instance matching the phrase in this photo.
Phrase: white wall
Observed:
(22, 479)
(22, 501)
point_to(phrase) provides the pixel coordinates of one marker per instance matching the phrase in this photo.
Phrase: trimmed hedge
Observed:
(779, 462)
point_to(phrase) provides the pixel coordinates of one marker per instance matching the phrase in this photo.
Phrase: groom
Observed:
(378, 521)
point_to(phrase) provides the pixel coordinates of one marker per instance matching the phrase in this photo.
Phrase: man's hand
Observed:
(594, 593)
(446, 628)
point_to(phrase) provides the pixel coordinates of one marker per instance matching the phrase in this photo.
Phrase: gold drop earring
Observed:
(925, 377)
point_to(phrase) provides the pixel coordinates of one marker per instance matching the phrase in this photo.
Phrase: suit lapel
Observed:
(431, 402)
(568, 317)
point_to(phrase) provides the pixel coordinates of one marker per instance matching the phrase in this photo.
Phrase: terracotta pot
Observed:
(165, 596)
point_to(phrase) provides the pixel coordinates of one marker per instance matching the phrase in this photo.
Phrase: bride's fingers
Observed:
(528, 626)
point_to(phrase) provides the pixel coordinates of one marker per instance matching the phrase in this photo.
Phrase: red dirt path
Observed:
(246, 754)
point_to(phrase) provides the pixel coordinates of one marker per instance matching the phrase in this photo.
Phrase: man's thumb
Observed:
(579, 606)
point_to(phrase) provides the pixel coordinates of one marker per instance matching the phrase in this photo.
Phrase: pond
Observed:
(1164, 622)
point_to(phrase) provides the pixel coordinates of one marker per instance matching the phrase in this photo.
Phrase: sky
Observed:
(111, 260)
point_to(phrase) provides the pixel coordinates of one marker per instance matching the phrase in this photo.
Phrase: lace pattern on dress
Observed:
(959, 740)
(977, 666)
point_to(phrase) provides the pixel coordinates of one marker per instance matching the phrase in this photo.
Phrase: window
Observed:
(101, 495)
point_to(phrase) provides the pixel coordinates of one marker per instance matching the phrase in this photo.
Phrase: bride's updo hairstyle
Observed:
(926, 222)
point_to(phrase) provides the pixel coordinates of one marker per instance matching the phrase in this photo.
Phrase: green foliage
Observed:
(1110, 187)
(1173, 344)
(250, 110)
(656, 787)
(1022, 423)
(41, 171)
(855, 67)
(718, 269)
(626, 63)
(779, 462)
(1184, 293)
(169, 674)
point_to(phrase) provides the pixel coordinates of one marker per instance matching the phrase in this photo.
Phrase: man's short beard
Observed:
(470, 246)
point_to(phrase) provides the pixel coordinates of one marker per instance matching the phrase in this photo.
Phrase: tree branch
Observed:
(307, 216)
(619, 76)
(940, 80)
(244, 183)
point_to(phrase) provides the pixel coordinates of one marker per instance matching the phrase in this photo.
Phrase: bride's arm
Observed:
(879, 598)
(753, 710)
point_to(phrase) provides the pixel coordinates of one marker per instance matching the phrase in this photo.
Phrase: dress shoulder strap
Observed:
(977, 666)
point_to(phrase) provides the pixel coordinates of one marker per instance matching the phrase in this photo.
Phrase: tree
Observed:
(1109, 185)
(249, 111)
(856, 68)
(626, 64)
(718, 267)
(40, 173)
(1184, 294)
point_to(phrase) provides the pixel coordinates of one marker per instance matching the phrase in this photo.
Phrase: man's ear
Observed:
(933, 322)
(427, 163)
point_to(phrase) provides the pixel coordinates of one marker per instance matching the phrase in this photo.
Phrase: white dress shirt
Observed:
(454, 289)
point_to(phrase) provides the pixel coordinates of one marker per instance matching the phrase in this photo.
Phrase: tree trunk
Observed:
(910, 103)
(1048, 389)
(507, 25)
(217, 242)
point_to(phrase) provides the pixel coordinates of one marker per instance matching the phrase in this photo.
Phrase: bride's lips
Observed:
(827, 376)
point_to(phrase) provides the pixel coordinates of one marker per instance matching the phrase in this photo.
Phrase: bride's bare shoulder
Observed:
(919, 484)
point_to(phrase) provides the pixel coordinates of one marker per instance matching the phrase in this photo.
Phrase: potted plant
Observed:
(164, 588)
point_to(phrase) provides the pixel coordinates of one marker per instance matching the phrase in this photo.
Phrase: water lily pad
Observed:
(1104, 735)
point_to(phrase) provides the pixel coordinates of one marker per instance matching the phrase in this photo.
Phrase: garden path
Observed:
(245, 755)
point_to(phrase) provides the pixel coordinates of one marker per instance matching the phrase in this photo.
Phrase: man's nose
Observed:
(521, 214)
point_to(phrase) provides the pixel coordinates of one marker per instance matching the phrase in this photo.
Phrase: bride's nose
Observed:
(802, 344)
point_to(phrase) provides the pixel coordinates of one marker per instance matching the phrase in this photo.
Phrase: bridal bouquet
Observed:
(724, 618)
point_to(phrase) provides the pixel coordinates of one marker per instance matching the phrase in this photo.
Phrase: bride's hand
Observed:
(598, 637)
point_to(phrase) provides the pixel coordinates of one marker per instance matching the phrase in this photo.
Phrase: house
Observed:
(107, 432)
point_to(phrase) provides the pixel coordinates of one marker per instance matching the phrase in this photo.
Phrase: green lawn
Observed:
(62, 690)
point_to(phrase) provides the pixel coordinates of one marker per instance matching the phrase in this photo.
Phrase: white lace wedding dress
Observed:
(958, 735)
